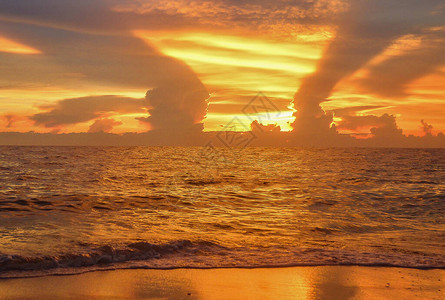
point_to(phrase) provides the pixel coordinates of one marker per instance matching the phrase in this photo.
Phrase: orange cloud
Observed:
(10, 46)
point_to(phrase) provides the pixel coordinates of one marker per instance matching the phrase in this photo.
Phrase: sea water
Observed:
(67, 210)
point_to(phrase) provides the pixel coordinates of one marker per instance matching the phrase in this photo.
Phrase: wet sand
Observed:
(331, 282)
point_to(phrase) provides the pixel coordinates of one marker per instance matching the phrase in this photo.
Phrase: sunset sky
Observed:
(79, 66)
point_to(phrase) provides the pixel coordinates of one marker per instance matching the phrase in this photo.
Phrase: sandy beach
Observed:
(331, 282)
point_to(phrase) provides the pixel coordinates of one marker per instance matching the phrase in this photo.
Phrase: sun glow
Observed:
(235, 68)
(204, 51)
(9, 46)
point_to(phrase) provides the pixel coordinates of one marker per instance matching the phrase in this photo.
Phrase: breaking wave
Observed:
(201, 254)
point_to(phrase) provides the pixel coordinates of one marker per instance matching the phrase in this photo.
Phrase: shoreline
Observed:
(303, 282)
(69, 271)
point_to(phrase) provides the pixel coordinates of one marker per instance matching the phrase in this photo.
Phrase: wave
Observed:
(100, 256)
(201, 255)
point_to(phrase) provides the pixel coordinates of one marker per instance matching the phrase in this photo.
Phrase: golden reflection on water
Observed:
(265, 207)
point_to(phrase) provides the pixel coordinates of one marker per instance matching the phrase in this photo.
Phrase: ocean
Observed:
(67, 210)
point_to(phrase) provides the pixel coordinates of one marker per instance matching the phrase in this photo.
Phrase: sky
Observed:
(356, 67)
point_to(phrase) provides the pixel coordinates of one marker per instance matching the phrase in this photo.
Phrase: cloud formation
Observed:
(88, 45)
(386, 128)
(78, 110)
(103, 125)
(427, 128)
(367, 29)
(86, 42)
(10, 120)
(279, 17)
(354, 118)
(176, 108)
(392, 76)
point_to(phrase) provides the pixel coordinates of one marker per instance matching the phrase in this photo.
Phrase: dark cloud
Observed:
(427, 128)
(72, 57)
(119, 16)
(10, 120)
(259, 128)
(78, 110)
(384, 126)
(380, 139)
(352, 122)
(176, 108)
(391, 77)
(246, 14)
(92, 16)
(353, 118)
(103, 125)
(56, 12)
(387, 129)
(14, 120)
